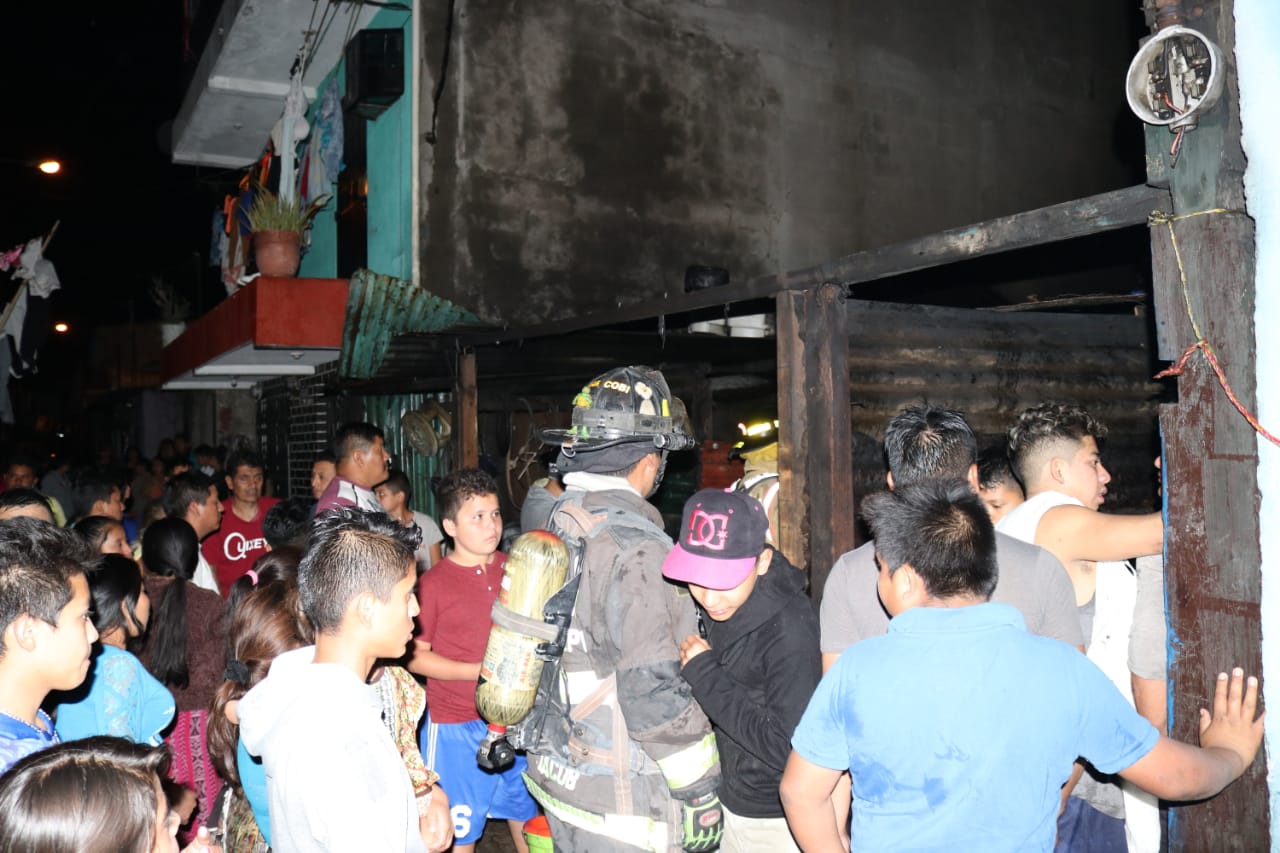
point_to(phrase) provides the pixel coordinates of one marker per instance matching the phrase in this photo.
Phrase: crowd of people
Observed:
(186, 660)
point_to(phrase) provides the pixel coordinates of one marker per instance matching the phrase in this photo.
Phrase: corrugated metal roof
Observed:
(380, 307)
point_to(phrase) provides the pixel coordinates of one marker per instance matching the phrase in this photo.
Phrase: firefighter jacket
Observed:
(633, 743)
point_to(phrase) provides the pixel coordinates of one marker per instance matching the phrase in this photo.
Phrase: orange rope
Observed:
(1202, 343)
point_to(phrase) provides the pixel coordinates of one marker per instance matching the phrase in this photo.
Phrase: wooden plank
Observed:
(1078, 218)
(793, 433)
(1212, 548)
(1212, 539)
(830, 453)
(467, 419)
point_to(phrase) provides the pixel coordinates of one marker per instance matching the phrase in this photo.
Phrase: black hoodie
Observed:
(755, 683)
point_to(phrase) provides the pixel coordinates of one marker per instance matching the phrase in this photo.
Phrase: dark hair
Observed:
(288, 522)
(941, 529)
(458, 486)
(263, 625)
(244, 457)
(204, 450)
(18, 498)
(116, 581)
(398, 481)
(37, 562)
(170, 549)
(1046, 424)
(96, 795)
(26, 460)
(277, 565)
(172, 463)
(95, 528)
(185, 489)
(994, 469)
(928, 441)
(326, 457)
(352, 552)
(95, 485)
(353, 437)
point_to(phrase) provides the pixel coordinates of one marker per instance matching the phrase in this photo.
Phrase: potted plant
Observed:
(278, 225)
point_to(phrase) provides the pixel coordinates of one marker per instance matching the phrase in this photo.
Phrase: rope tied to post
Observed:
(1202, 343)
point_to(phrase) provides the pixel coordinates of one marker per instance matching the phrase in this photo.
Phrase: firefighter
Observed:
(623, 758)
(758, 449)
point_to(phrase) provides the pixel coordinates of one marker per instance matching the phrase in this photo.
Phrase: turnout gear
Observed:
(620, 755)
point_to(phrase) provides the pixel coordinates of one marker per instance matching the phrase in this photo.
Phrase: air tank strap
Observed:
(512, 621)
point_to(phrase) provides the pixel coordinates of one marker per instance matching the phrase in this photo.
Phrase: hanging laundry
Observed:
(329, 134)
(217, 238)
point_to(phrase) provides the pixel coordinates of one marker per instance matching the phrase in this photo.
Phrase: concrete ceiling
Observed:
(237, 92)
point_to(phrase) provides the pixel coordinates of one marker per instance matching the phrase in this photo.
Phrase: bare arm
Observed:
(1150, 697)
(425, 662)
(1229, 741)
(806, 793)
(828, 661)
(1074, 533)
(434, 551)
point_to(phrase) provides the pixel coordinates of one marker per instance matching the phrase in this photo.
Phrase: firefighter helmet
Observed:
(619, 417)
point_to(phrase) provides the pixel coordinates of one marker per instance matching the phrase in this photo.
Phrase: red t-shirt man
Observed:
(237, 544)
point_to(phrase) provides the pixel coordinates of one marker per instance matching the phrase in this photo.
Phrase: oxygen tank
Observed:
(536, 567)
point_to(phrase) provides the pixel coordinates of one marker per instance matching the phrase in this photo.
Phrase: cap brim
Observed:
(708, 572)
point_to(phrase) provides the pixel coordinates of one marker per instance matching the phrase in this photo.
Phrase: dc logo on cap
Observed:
(707, 530)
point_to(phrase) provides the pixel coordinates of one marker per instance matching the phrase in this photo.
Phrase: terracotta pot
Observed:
(277, 252)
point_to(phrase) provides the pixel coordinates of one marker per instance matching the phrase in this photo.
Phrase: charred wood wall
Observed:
(990, 365)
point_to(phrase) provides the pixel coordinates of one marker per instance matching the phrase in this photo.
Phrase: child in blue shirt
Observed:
(46, 633)
(119, 697)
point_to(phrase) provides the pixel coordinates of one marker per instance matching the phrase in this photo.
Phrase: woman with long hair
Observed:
(265, 623)
(185, 650)
(97, 795)
(118, 697)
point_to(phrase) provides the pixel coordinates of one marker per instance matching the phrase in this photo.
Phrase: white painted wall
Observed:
(1258, 64)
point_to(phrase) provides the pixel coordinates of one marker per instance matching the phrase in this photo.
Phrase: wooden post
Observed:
(1212, 550)
(467, 419)
(815, 456)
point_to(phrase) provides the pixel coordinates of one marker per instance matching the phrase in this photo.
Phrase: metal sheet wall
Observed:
(385, 411)
(991, 365)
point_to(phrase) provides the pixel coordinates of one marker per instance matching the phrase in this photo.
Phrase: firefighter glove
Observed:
(702, 821)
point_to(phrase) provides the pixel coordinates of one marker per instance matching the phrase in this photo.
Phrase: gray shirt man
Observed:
(1031, 579)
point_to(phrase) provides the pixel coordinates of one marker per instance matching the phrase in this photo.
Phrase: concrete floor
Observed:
(496, 838)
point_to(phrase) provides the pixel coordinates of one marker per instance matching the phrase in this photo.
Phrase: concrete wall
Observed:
(591, 149)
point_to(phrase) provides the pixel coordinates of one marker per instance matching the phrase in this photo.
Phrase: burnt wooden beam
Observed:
(1066, 221)
(1212, 520)
(815, 455)
(467, 419)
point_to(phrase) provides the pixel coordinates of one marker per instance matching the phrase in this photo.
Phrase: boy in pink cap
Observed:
(757, 663)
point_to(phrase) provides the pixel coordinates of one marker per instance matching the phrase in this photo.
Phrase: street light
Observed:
(61, 328)
(49, 167)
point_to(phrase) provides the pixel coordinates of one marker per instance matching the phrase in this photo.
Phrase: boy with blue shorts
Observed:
(456, 596)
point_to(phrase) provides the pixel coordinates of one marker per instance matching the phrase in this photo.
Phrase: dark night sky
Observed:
(96, 86)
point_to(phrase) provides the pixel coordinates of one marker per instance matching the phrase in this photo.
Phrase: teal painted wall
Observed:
(390, 171)
(321, 258)
(390, 163)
